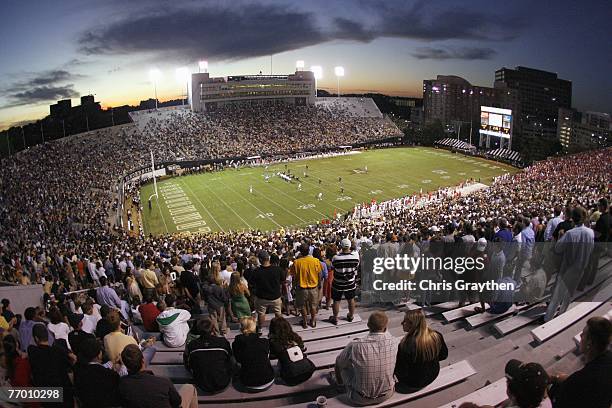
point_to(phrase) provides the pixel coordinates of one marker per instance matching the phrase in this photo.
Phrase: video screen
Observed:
(495, 121)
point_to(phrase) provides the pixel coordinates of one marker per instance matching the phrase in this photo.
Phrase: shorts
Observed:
(306, 297)
(261, 305)
(336, 295)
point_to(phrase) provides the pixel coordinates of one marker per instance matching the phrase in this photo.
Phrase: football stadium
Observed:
(266, 240)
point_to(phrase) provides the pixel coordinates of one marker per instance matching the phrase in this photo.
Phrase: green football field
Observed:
(221, 201)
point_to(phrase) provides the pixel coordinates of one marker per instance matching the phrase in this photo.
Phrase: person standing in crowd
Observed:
(132, 284)
(551, 226)
(590, 386)
(149, 280)
(106, 295)
(208, 357)
(253, 354)
(190, 282)
(238, 291)
(173, 323)
(601, 232)
(306, 271)
(366, 365)
(419, 353)
(26, 326)
(50, 364)
(575, 247)
(288, 347)
(217, 298)
(526, 384)
(96, 385)
(90, 319)
(149, 312)
(77, 336)
(58, 327)
(346, 267)
(18, 370)
(267, 281)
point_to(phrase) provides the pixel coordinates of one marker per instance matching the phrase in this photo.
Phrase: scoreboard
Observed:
(496, 122)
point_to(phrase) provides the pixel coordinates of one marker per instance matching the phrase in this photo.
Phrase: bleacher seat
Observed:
(448, 376)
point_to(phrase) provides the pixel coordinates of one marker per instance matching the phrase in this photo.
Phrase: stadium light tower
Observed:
(203, 65)
(339, 71)
(155, 75)
(299, 64)
(182, 75)
(317, 70)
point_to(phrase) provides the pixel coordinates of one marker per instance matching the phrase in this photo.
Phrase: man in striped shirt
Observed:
(346, 266)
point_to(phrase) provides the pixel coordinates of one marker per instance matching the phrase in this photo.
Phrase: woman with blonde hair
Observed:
(239, 305)
(253, 354)
(419, 353)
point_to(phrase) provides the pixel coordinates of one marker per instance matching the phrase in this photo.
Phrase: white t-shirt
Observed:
(60, 331)
(90, 322)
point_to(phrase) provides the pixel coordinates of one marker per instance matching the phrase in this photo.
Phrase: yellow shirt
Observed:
(3, 323)
(115, 342)
(149, 279)
(306, 271)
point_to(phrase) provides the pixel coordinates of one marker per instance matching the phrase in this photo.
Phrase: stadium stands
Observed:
(455, 144)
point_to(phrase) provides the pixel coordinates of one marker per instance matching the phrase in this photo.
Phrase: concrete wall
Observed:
(22, 296)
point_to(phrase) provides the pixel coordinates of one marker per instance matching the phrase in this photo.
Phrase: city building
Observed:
(579, 131)
(457, 104)
(61, 109)
(208, 93)
(540, 95)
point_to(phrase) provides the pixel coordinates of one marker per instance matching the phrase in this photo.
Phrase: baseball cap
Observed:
(527, 379)
(345, 243)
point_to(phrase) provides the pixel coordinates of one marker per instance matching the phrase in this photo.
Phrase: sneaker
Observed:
(333, 320)
(349, 318)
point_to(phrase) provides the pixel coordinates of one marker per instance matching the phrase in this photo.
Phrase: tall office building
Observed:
(453, 100)
(540, 95)
(579, 131)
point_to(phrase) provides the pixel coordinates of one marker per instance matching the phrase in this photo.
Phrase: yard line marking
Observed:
(254, 206)
(191, 225)
(286, 209)
(187, 217)
(203, 206)
(182, 210)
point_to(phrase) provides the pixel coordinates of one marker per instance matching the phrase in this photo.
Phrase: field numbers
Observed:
(265, 215)
(306, 206)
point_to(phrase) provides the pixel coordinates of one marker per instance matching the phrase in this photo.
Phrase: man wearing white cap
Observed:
(346, 266)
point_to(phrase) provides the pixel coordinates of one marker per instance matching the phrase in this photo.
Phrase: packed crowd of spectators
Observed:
(244, 131)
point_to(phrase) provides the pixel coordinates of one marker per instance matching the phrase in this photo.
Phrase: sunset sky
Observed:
(53, 50)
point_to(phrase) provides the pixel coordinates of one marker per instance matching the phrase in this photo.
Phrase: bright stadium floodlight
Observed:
(155, 75)
(317, 70)
(339, 71)
(182, 75)
(203, 65)
(299, 64)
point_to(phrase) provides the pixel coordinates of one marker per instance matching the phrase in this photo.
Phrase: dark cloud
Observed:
(41, 94)
(465, 53)
(45, 86)
(41, 79)
(420, 23)
(351, 30)
(213, 32)
(224, 33)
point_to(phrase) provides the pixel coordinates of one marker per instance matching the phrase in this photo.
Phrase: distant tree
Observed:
(430, 133)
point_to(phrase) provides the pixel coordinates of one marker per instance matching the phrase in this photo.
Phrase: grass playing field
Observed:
(221, 201)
